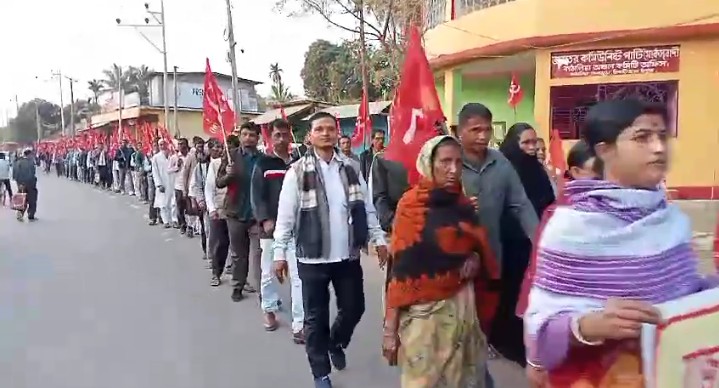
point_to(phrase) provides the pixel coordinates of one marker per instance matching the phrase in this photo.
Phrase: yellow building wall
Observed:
(189, 123)
(530, 18)
(696, 147)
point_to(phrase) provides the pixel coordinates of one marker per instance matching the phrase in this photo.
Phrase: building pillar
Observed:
(452, 95)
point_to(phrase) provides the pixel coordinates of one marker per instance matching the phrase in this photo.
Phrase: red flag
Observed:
(266, 138)
(516, 94)
(284, 117)
(337, 122)
(557, 159)
(364, 123)
(217, 116)
(415, 109)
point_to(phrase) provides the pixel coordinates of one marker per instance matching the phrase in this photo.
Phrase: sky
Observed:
(80, 38)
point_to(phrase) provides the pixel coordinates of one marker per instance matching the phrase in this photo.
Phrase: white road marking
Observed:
(168, 239)
(134, 206)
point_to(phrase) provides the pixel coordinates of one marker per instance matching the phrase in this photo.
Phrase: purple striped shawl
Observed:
(611, 241)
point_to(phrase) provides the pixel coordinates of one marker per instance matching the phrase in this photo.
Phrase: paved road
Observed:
(92, 297)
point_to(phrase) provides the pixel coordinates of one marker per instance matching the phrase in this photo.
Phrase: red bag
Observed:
(19, 201)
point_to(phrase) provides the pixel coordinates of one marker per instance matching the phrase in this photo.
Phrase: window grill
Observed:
(463, 7)
(436, 13)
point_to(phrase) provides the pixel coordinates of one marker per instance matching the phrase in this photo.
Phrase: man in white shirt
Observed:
(219, 235)
(5, 175)
(164, 200)
(177, 163)
(324, 204)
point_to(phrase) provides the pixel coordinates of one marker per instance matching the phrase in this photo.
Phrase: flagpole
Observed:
(363, 69)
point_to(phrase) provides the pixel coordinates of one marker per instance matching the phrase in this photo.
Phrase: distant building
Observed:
(190, 93)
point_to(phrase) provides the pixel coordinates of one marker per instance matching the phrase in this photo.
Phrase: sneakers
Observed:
(323, 382)
(237, 295)
(215, 281)
(338, 358)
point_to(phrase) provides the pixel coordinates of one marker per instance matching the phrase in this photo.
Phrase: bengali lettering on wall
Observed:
(631, 60)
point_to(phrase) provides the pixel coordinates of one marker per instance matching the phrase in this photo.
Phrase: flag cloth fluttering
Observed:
(415, 109)
(557, 159)
(364, 121)
(218, 119)
(516, 94)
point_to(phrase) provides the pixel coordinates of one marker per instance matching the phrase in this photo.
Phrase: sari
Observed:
(435, 232)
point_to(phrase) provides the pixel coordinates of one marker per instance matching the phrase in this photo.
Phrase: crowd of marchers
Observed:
(471, 271)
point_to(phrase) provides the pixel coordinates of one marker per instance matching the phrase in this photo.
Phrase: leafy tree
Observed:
(95, 86)
(384, 22)
(139, 80)
(133, 79)
(23, 128)
(333, 73)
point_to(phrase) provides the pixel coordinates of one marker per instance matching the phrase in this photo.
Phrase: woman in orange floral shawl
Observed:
(440, 257)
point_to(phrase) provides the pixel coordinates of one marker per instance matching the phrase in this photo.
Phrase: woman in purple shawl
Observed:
(613, 251)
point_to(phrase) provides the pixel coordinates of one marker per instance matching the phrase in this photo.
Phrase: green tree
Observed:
(95, 86)
(279, 92)
(116, 77)
(139, 81)
(24, 127)
(333, 73)
(384, 21)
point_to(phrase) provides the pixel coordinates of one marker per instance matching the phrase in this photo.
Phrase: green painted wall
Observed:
(493, 92)
(439, 84)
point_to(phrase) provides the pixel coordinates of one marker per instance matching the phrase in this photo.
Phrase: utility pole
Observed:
(62, 102)
(174, 116)
(119, 102)
(38, 123)
(72, 106)
(233, 63)
(162, 50)
(363, 62)
(17, 106)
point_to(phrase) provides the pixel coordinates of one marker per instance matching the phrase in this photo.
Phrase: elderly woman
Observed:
(612, 251)
(440, 257)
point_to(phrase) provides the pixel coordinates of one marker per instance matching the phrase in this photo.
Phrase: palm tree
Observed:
(139, 81)
(275, 73)
(279, 92)
(95, 87)
(115, 77)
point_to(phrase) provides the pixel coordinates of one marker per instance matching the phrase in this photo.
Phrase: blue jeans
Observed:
(269, 285)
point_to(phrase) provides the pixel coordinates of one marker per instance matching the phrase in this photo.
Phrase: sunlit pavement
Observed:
(93, 297)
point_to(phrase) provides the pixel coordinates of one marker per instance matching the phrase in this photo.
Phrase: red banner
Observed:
(630, 60)
(218, 117)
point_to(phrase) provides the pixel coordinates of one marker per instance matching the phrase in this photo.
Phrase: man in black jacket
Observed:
(26, 179)
(267, 181)
(367, 156)
(242, 225)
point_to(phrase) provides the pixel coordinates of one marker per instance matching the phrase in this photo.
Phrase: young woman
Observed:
(580, 163)
(520, 148)
(612, 251)
(440, 257)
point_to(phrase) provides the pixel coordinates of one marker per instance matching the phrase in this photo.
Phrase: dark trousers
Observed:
(58, 169)
(31, 192)
(347, 280)
(105, 176)
(203, 233)
(152, 212)
(245, 243)
(219, 245)
(122, 176)
(181, 209)
(8, 186)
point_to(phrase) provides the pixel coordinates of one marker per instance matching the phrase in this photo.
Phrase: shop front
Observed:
(681, 75)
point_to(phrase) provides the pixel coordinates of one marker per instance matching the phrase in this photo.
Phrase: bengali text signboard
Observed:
(630, 60)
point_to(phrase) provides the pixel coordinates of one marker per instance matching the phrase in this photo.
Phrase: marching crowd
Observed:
(470, 268)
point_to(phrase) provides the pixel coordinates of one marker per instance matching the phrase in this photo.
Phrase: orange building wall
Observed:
(522, 19)
(696, 148)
